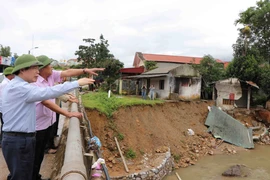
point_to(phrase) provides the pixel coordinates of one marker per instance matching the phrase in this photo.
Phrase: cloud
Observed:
(178, 27)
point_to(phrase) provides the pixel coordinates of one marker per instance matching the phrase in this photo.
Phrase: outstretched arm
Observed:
(33, 93)
(77, 72)
(52, 106)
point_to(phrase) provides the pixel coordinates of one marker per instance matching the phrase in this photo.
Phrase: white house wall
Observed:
(161, 93)
(192, 91)
(225, 88)
(172, 81)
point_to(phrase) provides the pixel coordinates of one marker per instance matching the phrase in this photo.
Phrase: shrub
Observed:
(176, 157)
(120, 136)
(130, 154)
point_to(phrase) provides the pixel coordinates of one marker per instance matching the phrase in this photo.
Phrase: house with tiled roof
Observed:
(173, 78)
(141, 57)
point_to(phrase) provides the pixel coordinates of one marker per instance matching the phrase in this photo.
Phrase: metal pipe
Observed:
(73, 167)
(98, 154)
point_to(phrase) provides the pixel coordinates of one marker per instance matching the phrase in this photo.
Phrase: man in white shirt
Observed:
(19, 115)
(8, 77)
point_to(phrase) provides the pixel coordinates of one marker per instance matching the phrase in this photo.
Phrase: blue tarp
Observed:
(225, 127)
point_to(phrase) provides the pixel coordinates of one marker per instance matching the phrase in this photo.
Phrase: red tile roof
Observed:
(170, 58)
(174, 59)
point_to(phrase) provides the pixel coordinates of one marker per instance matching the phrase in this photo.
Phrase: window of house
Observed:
(228, 102)
(185, 82)
(161, 84)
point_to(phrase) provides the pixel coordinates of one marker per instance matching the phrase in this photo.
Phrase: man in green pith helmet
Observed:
(45, 110)
(19, 114)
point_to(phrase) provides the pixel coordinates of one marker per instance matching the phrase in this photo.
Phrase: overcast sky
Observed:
(172, 27)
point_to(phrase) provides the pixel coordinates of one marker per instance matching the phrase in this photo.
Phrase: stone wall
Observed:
(156, 173)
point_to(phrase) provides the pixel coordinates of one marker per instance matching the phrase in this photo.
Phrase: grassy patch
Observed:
(101, 102)
(130, 154)
(120, 136)
(177, 157)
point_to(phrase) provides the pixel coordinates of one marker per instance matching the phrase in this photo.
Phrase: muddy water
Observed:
(211, 167)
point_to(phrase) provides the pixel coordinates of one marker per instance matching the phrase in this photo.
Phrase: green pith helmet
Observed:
(44, 60)
(25, 61)
(8, 71)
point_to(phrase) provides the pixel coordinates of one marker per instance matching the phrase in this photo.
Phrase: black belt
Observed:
(22, 134)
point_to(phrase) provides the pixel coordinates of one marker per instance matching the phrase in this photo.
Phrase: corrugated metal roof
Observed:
(229, 129)
(252, 84)
(162, 69)
(236, 80)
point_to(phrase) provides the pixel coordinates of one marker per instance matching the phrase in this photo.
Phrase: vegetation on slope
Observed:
(101, 102)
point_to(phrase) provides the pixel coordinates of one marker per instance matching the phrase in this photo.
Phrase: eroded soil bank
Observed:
(148, 130)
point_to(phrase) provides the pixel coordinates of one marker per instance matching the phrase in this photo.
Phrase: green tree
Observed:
(244, 67)
(102, 51)
(211, 71)
(111, 72)
(98, 55)
(86, 54)
(264, 82)
(257, 19)
(95, 54)
(252, 48)
(5, 51)
(249, 49)
(150, 65)
(246, 61)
